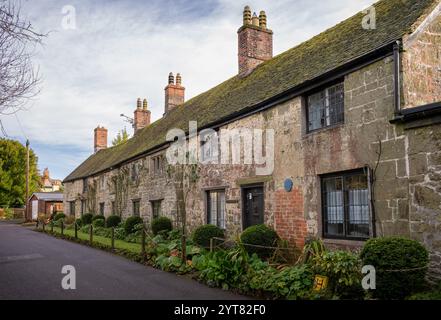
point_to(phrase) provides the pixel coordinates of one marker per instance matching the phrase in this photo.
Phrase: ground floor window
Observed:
(72, 208)
(156, 208)
(136, 204)
(102, 208)
(216, 208)
(83, 207)
(346, 209)
(113, 208)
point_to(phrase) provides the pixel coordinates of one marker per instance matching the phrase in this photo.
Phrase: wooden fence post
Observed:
(76, 230)
(44, 224)
(62, 227)
(143, 243)
(91, 234)
(113, 238)
(37, 224)
(211, 244)
(52, 226)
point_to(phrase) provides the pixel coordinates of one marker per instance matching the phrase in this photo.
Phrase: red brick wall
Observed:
(289, 220)
(100, 138)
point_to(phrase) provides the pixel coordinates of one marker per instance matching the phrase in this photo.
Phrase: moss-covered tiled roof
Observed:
(327, 51)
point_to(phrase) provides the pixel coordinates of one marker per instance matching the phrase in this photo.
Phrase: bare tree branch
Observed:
(19, 79)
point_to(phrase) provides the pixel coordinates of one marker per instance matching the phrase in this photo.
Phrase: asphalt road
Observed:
(31, 264)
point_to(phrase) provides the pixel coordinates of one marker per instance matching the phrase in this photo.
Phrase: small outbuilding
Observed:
(44, 203)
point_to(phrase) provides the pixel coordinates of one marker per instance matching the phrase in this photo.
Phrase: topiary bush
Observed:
(129, 225)
(396, 253)
(113, 221)
(260, 235)
(203, 234)
(161, 224)
(98, 223)
(59, 216)
(87, 218)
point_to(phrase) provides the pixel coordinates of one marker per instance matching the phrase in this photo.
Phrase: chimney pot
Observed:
(178, 79)
(141, 116)
(246, 15)
(171, 78)
(144, 104)
(138, 103)
(255, 20)
(262, 19)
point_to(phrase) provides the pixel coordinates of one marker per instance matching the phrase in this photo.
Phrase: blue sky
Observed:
(122, 50)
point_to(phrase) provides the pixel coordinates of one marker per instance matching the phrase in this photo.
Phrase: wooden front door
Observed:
(253, 206)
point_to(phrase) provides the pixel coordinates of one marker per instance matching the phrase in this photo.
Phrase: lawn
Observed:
(119, 244)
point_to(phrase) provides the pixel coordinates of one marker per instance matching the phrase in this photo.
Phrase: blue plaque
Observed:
(288, 185)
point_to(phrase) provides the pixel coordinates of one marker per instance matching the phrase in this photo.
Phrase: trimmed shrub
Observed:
(113, 221)
(396, 253)
(161, 224)
(87, 218)
(59, 216)
(98, 223)
(203, 234)
(129, 225)
(260, 235)
(69, 219)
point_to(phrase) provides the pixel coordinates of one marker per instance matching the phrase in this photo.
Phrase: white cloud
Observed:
(122, 50)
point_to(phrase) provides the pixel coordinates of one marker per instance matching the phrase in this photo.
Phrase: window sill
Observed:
(311, 133)
(343, 243)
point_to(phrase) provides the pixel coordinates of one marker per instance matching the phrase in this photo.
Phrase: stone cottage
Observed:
(355, 117)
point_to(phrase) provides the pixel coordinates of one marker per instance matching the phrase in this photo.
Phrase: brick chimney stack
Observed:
(174, 92)
(141, 115)
(100, 138)
(255, 41)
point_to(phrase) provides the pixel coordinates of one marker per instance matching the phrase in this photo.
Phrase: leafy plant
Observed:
(59, 216)
(161, 224)
(113, 221)
(258, 236)
(400, 265)
(79, 222)
(85, 228)
(203, 234)
(289, 283)
(343, 268)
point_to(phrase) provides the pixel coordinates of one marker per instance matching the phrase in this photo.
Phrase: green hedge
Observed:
(400, 265)
(98, 223)
(203, 234)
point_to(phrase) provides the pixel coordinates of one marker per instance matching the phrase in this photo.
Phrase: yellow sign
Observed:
(320, 282)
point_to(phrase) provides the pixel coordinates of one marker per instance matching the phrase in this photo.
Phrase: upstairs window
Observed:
(326, 107)
(102, 208)
(84, 185)
(209, 148)
(346, 210)
(157, 165)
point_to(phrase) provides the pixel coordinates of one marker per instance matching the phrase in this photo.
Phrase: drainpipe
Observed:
(397, 84)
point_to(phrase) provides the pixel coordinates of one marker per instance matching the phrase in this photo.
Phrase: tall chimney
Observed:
(174, 92)
(255, 41)
(100, 138)
(141, 117)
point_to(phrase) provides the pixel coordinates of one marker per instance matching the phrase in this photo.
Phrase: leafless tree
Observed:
(18, 78)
